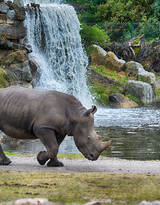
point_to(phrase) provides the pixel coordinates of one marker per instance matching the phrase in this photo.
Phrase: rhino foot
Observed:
(41, 157)
(54, 163)
(5, 161)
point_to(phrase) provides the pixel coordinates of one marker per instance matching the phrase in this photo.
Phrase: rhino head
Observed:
(86, 139)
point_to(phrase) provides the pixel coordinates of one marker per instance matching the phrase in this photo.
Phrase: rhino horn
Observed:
(105, 145)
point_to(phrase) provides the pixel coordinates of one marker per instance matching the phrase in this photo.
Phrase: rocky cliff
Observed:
(15, 67)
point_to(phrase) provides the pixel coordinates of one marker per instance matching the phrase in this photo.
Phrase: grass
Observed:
(71, 156)
(102, 92)
(60, 156)
(119, 77)
(138, 101)
(79, 188)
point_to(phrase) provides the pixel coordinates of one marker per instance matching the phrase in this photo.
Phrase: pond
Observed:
(135, 134)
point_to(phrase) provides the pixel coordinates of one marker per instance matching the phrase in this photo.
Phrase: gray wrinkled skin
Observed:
(48, 115)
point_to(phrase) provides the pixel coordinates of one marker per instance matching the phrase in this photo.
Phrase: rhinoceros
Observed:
(48, 115)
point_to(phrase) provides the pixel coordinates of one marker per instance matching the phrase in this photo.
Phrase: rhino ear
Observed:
(91, 111)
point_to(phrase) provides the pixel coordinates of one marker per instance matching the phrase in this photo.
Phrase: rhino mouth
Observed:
(91, 157)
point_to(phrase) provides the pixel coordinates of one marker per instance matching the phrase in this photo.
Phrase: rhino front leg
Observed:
(3, 159)
(48, 138)
(56, 162)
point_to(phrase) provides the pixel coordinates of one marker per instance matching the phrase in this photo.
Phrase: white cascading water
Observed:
(53, 32)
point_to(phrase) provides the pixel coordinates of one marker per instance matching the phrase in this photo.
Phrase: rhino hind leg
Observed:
(42, 157)
(4, 160)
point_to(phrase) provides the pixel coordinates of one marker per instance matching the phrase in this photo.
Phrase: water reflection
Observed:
(132, 143)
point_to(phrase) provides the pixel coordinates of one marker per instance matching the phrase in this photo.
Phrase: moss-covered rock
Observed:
(14, 57)
(16, 66)
(97, 55)
(112, 61)
(136, 69)
(141, 90)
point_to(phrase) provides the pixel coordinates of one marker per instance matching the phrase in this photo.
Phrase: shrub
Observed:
(93, 34)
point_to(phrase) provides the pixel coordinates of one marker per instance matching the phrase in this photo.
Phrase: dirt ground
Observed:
(109, 165)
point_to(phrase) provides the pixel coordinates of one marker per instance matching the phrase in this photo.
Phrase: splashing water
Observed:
(53, 32)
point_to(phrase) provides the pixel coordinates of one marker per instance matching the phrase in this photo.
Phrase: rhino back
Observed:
(23, 108)
(18, 106)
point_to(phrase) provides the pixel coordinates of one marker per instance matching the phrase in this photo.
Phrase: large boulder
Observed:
(100, 57)
(113, 62)
(140, 90)
(13, 32)
(118, 100)
(97, 55)
(136, 69)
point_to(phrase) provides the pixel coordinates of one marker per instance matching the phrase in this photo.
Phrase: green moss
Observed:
(144, 79)
(79, 188)
(136, 50)
(71, 156)
(3, 80)
(157, 90)
(60, 156)
(134, 99)
(119, 77)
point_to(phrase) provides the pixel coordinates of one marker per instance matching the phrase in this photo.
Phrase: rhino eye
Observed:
(89, 137)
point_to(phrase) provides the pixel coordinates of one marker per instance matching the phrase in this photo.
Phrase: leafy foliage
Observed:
(115, 17)
(93, 34)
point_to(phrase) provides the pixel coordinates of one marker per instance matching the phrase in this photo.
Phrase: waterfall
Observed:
(53, 32)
